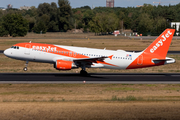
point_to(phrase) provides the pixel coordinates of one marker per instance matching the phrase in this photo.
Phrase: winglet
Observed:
(161, 45)
(110, 57)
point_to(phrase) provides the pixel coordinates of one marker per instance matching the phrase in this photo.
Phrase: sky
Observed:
(80, 3)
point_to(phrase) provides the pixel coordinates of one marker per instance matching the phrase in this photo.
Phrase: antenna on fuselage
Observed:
(29, 41)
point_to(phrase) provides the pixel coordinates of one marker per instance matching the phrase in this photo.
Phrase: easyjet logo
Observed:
(44, 48)
(161, 41)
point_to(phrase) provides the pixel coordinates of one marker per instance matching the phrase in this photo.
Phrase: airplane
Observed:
(70, 57)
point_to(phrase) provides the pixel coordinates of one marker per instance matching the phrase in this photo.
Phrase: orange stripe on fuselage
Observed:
(49, 48)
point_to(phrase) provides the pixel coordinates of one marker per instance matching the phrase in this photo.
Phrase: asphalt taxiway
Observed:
(102, 78)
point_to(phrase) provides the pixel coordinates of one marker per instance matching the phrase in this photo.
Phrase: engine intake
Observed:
(63, 65)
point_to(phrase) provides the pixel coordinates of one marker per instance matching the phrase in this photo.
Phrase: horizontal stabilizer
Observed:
(167, 60)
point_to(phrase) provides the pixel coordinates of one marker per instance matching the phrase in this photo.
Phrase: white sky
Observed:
(80, 3)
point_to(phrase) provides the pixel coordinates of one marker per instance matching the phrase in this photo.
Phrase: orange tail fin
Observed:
(161, 45)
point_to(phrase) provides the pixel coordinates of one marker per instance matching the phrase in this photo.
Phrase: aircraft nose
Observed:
(6, 52)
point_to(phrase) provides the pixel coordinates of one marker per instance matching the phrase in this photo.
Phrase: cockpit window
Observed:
(15, 47)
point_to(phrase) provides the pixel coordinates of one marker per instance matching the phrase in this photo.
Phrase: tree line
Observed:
(61, 17)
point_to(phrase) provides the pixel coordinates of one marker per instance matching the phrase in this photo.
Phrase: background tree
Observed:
(40, 27)
(104, 22)
(145, 24)
(78, 19)
(15, 24)
(65, 14)
(94, 25)
(53, 24)
(3, 32)
(160, 24)
(48, 14)
(54, 18)
(87, 17)
(31, 21)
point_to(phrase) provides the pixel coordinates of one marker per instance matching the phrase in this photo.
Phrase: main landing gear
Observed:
(83, 71)
(25, 68)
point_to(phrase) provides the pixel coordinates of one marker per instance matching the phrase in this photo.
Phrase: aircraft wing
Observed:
(92, 60)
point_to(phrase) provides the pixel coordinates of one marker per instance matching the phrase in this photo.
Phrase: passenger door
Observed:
(27, 49)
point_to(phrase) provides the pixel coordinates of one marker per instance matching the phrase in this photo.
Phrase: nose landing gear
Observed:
(25, 68)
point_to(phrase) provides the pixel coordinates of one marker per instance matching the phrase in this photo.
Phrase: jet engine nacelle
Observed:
(63, 65)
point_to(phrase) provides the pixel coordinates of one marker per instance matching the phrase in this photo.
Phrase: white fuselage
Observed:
(120, 59)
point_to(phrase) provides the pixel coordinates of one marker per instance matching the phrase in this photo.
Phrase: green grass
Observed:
(26, 93)
(172, 88)
(127, 98)
(151, 85)
(121, 89)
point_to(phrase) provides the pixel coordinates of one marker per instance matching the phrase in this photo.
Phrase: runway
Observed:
(100, 78)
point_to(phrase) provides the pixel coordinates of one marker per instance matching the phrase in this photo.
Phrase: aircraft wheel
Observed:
(84, 73)
(25, 69)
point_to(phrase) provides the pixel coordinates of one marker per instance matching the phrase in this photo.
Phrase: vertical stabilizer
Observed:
(161, 45)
